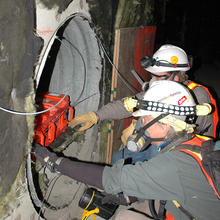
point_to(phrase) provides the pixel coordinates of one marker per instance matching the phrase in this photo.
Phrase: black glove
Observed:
(117, 199)
(42, 152)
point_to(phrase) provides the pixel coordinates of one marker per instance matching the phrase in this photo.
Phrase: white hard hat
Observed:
(165, 96)
(167, 58)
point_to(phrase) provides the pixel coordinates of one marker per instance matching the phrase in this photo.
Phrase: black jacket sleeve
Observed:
(89, 173)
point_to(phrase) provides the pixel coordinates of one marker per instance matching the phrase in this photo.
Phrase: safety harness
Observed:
(192, 85)
(200, 155)
(201, 148)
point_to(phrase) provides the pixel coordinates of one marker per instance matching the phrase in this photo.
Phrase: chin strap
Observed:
(141, 132)
(142, 129)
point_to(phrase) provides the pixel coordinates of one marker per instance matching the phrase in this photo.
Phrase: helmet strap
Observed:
(149, 61)
(167, 76)
(142, 130)
(173, 74)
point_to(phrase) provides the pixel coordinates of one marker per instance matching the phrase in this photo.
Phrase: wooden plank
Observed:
(113, 95)
(131, 44)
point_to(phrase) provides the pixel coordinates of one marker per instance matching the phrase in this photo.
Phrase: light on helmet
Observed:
(167, 58)
(149, 61)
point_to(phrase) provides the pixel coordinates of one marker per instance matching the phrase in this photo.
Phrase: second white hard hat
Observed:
(169, 58)
(167, 96)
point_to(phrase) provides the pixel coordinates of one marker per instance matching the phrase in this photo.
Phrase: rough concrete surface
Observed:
(80, 78)
(18, 51)
(73, 67)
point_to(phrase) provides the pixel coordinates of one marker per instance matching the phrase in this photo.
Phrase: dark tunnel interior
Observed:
(192, 25)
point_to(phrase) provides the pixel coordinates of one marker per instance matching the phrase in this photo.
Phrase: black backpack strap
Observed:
(161, 211)
(210, 163)
(188, 214)
(194, 148)
(161, 215)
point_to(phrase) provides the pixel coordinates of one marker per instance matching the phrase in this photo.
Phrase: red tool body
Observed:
(50, 124)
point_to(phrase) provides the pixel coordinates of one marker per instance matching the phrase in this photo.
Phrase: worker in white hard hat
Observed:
(166, 113)
(169, 62)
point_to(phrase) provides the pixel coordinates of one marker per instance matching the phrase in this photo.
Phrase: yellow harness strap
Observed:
(183, 210)
(191, 85)
(176, 203)
(87, 213)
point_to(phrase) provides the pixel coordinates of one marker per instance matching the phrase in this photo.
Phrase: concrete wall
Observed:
(43, 40)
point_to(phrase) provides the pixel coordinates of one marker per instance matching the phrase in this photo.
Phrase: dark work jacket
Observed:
(172, 175)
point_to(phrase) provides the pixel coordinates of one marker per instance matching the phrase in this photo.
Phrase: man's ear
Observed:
(144, 120)
(166, 127)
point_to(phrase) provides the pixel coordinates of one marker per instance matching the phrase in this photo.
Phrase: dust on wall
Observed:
(18, 54)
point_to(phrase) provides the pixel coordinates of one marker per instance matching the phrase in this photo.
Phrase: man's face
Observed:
(157, 130)
(164, 76)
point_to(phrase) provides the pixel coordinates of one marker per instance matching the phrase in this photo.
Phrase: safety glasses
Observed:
(165, 77)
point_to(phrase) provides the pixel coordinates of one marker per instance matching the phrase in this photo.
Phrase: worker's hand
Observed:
(88, 120)
(127, 132)
(130, 103)
(45, 157)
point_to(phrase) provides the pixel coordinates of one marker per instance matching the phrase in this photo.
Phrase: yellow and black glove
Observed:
(127, 132)
(130, 103)
(88, 120)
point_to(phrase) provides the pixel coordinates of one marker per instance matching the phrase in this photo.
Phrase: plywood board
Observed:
(131, 44)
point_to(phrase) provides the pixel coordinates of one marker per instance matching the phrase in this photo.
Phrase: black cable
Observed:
(84, 64)
(152, 210)
(130, 87)
(44, 201)
(40, 204)
(85, 71)
(123, 79)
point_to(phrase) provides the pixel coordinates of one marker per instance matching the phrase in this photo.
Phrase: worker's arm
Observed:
(110, 111)
(85, 172)
(205, 125)
(153, 179)
(89, 173)
(115, 110)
